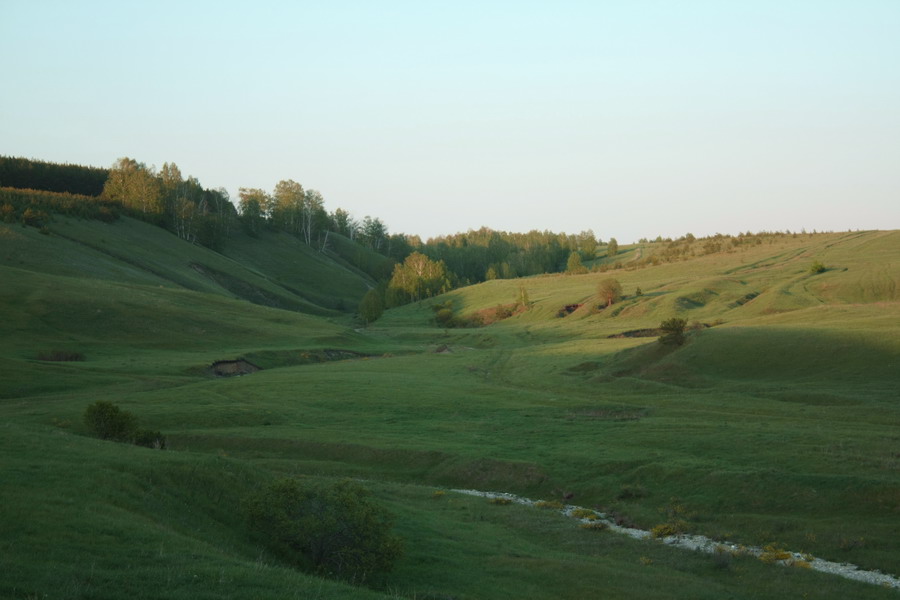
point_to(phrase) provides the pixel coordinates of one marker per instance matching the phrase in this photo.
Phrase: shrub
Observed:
(150, 439)
(609, 291)
(333, 530)
(816, 268)
(595, 526)
(673, 331)
(772, 554)
(107, 421)
(666, 529)
(584, 513)
(550, 504)
(500, 500)
(371, 307)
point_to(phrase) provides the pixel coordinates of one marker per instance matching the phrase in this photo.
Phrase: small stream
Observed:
(704, 544)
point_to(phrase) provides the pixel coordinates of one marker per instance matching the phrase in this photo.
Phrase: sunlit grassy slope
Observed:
(778, 424)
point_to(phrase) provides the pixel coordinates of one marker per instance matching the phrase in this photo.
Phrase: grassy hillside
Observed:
(274, 270)
(777, 424)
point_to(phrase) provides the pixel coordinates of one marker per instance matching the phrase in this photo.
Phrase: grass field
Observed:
(778, 423)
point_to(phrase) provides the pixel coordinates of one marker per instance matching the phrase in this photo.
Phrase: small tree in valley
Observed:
(610, 291)
(672, 331)
(612, 248)
(371, 307)
(107, 421)
(573, 265)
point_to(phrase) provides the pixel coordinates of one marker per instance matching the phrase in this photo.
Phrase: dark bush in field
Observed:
(60, 356)
(673, 331)
(150, 439)
(107, 421)
(333, 530)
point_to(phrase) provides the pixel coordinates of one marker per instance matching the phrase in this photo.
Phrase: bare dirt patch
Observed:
(568, 309)
(232, 368)
(636, 333)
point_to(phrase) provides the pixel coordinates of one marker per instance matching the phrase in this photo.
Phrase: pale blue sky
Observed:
(633, 118)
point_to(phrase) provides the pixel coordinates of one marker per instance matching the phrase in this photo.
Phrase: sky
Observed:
(631, 118)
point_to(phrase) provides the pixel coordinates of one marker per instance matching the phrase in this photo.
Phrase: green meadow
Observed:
(777, 422)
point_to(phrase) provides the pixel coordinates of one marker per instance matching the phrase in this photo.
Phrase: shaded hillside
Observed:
(272, 270)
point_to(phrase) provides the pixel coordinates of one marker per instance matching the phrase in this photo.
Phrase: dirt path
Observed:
(704, 544)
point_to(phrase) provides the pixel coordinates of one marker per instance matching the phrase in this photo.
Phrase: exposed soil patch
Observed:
(637, 333)
(232, 368)
(743, 300)
(568, 309)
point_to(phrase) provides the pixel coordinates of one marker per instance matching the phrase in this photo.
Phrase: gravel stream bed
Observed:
(704, 544)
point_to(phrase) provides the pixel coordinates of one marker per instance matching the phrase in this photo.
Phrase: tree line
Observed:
(483, 254)
(167, 198)
(25, 173)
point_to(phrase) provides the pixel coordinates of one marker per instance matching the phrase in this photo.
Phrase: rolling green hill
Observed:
(775, 423)
(274, 270)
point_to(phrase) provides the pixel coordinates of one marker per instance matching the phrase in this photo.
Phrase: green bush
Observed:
(107, 421)
(150, 439)
(675, 527)
(816, 268)
(332, 530)
(673, 331)
(371, 307)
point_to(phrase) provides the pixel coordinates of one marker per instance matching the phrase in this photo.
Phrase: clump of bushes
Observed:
(673, 331)
(667, 529)
(107, 421)
(445, 317)
(816, 268)
(595, 526)
(550, 504)
(584, 513)
(500, 500)
(772, 554)
(150, 439)
(334, 530)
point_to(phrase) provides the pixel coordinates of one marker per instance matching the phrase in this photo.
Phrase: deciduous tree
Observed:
(371, 306)
(135, 186)
(610, 291)
(612, 248)
(416, 278)
(252, 201)
(573, 265)
(673, 331)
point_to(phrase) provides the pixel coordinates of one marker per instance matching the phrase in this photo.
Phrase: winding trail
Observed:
(704, 544)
